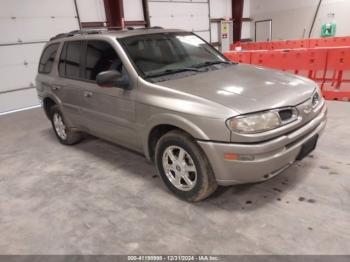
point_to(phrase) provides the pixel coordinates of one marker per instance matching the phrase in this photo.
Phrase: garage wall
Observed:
(24, 29)
(191, 15)
(219, 9)
(292, 19)
(246, 26)
(133, 10)
(91, 10)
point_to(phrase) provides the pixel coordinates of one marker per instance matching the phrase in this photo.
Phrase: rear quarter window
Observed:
(47, 58)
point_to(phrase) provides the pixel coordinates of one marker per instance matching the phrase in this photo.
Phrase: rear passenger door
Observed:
(110, 112)
(68, 87)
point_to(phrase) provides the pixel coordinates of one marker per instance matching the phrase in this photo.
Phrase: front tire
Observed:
(63, 133)
(184, 167)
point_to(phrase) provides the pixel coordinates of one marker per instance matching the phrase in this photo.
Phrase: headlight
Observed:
(316, 97)
(255, 123)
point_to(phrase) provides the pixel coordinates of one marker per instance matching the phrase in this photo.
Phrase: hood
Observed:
(246, 88)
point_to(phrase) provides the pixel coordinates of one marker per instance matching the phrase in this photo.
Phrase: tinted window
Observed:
(61, 63)
(47, 58)
(157, 53)
(100, 56)
(69, 65)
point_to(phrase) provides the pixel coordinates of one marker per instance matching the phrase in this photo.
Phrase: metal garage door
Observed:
(191, 15)
(25, 26)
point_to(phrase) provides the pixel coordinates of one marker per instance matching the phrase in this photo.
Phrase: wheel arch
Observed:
(163, 124)
(48, 103)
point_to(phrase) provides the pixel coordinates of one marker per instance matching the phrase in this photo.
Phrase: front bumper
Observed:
(270, 158)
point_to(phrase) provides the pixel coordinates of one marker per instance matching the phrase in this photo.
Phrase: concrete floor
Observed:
(98, 198)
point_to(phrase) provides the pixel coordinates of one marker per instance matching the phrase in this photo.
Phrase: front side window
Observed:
(47, 58)
(70, 59)
(100, 56)
(158, 54)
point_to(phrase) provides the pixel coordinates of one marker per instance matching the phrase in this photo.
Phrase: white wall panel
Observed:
(246, 26)
(17, 54)
(17, 76)
(205, 35)
(187, 15)
(37, 8)
(215, 32)
(91, 10)
(23, 22)
(18, 100)
(220, 8)
(35, 20)
(133, 10)
(34, 29)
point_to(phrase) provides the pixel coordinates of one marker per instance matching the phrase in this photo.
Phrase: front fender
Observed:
(178, 121)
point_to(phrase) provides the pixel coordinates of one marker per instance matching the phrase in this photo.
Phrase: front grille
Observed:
(286, 114)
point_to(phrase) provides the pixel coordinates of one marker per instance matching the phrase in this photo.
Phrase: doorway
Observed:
(263, 30)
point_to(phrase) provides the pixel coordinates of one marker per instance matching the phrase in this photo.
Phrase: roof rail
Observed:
(97, 30)
(76, 32)
(86, 31)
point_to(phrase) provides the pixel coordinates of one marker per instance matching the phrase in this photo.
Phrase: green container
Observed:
(328, 30)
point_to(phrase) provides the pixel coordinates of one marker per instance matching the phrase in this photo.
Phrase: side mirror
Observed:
(112, 78)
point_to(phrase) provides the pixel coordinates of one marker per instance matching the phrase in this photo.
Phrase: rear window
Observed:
(47, 58)
(70, 59)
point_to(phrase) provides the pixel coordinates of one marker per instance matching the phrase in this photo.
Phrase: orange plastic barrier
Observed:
(329, 42)
(301, 62)
(330, 67)
(240, 57)
(294, 44)
(336, 85)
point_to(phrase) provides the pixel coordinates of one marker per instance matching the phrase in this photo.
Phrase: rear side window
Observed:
(47, 58)
(70, 59)
(100, 56)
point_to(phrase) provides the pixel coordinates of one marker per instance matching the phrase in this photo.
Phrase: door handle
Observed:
(88, 94)
(56, 87)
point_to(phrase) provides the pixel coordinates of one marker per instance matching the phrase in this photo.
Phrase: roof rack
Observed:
(98, 30)
(75, 32)
(87, 31)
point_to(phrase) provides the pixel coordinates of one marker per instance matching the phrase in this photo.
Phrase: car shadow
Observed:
(249, 197)
(246, 197)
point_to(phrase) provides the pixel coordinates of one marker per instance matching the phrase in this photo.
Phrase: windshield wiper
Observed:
(172, 71)
(209, 63)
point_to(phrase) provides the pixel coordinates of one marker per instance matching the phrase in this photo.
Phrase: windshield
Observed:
(158, 54)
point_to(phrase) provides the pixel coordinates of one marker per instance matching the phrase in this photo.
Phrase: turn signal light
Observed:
(231, 156)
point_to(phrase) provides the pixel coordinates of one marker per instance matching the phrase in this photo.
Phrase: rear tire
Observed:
(63, 133)
(184, 167)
